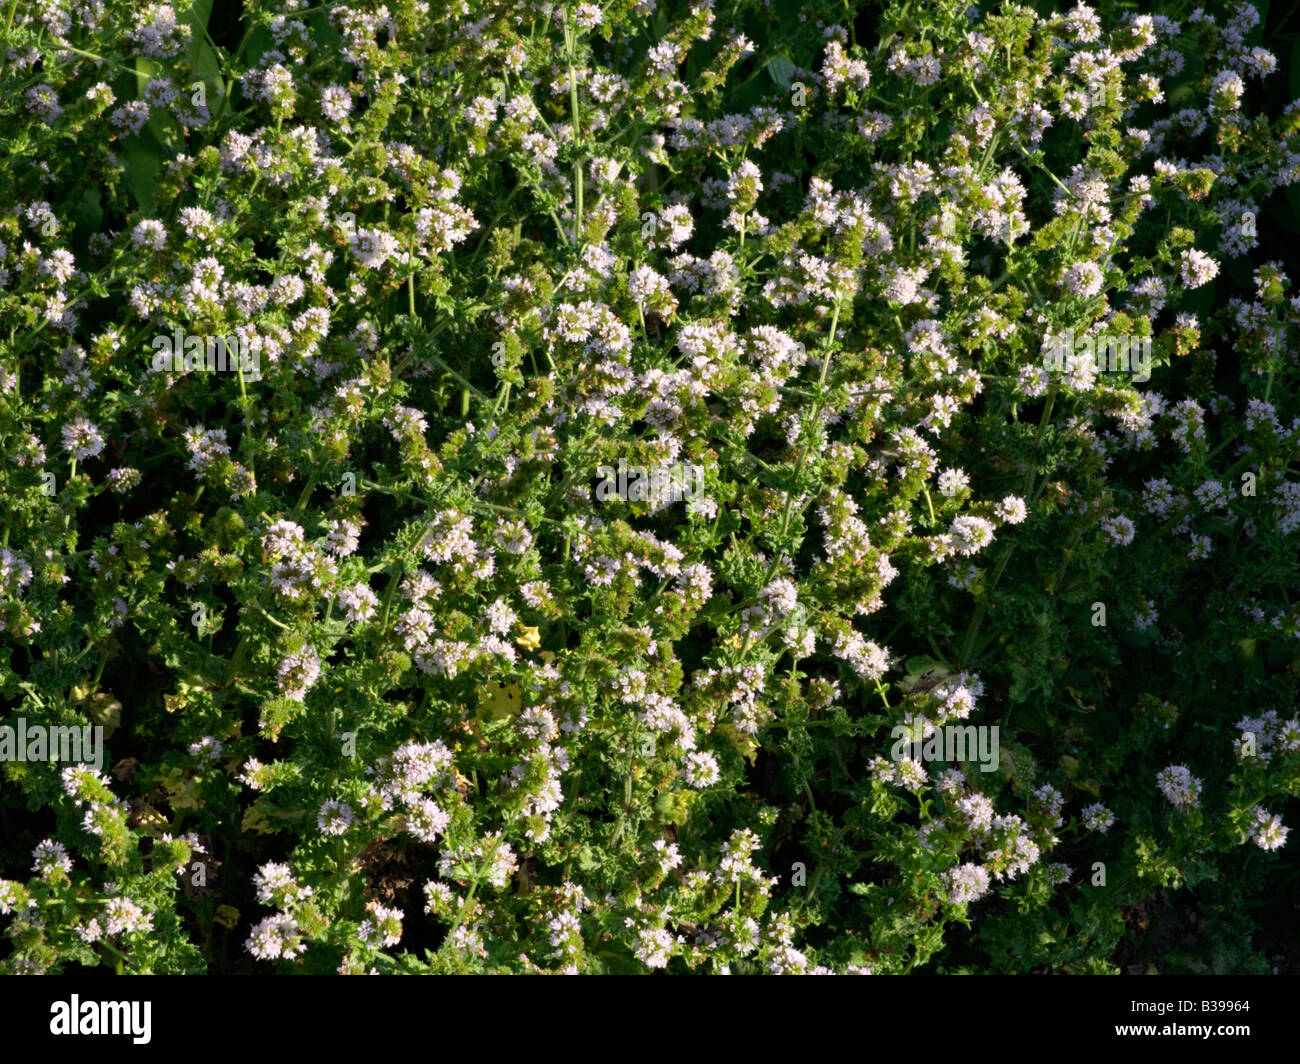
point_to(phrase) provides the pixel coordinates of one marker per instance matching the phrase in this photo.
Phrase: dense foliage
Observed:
(400, 665)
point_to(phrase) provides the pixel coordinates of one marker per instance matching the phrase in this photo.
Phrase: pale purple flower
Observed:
(82, 439)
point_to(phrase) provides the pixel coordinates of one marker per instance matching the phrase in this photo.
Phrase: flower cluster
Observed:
(379, 621)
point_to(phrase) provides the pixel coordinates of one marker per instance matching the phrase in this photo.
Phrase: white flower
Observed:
(334, 817)
(1269, 834)
(1097, 817)
(653, 948)
(966, 883)
(82, 439)
(150, 234)
(276, 936)
(1012, 510)
(1179, 786)
(701, 769)
(1197, 268)
(1083, 279)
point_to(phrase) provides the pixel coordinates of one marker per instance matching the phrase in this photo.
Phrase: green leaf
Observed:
(1288, 218)
(143, 163)
(1199, 871)
(88, 215)
(781, 70)
(915, 666)
(1200, 301)
(204, 62)
(259, 43)
(199, 14)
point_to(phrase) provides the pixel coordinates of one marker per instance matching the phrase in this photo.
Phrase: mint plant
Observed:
(952, 623)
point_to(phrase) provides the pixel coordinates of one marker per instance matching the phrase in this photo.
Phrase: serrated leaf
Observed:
(255, 820)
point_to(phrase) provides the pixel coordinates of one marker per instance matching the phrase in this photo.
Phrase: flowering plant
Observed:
(387, 682)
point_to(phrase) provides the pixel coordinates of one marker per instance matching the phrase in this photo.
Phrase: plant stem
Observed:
(571, 47)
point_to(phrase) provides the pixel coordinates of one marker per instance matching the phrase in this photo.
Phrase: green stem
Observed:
(981, 608)
(571, 47)
(803, 454)
(469, 898)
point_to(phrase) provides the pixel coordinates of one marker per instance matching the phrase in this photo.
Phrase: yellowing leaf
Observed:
(104, 710)
(182, 790)
(151, 822)
(255, 820)
(528, 638)
(1078, 699)
(499, 701)
(742, 743)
